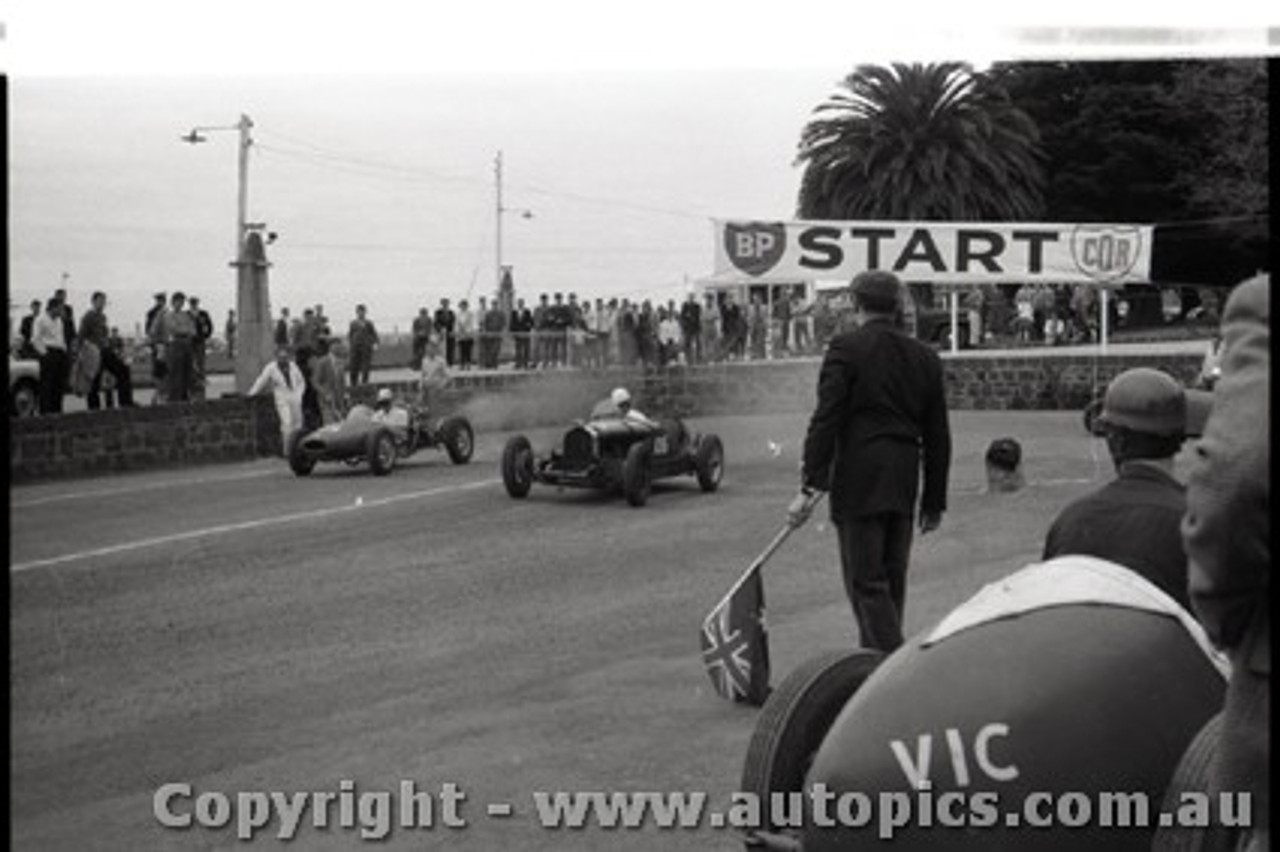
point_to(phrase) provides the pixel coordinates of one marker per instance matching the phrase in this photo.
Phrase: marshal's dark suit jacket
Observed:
(881, 414)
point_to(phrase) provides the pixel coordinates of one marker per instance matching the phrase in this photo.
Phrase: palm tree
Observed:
(919, 142)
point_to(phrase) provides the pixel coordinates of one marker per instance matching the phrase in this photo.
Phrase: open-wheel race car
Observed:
(366, 436)
(626, 454)
(1067, 688)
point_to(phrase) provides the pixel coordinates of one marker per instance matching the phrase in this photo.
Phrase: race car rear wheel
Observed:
(517, 466)
(381, 452)
(635, 474)
(459, 440)
(1192, 776)
(795, 719)
(709, 463)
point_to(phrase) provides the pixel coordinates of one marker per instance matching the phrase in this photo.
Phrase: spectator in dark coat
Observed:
(1227, 532)
(445, 321)
(1135, 520)
(881, 414)
(362, 338)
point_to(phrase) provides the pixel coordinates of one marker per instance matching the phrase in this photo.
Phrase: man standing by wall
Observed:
(881, 413)
(230, 333)
(691, 329)
(49, 339)
(159, 369)
(445, 320)
(94, 330)
(176, 330)
(362, 337)
(421, 336)
(204, 331)
(521, 329)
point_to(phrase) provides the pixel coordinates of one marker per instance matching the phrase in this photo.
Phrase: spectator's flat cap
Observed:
(1151, 401)
(877, 290)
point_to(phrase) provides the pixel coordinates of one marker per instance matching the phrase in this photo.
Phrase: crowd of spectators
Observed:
(553, 332)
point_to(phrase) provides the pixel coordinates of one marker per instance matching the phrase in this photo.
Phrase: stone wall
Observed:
(85, 443)
(96, 442)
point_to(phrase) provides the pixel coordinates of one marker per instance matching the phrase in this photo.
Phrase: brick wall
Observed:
(84, 443)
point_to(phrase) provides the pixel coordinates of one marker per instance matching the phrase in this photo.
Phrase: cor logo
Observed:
(755, 247)
(1105, 253)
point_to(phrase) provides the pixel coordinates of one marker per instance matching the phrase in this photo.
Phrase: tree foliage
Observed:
(919, 142)
(1181, 144)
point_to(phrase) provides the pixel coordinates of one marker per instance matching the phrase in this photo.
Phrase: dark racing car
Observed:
(624, 454)
(381, 438)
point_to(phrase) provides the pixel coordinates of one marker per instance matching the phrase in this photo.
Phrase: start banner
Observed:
(939, 252)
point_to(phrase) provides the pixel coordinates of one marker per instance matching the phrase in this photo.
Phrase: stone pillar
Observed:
(255, 344)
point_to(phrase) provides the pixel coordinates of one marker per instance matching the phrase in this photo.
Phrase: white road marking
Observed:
(257, 523)
(132, 489)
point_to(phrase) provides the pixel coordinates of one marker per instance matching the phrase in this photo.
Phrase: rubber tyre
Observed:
(795, 720)
(381, 452)
(636, 483)
(459, 439)
(1091, 424)
(1192, 775)
(301, 462)
(24, 399)
(709, 463)
(517, 467)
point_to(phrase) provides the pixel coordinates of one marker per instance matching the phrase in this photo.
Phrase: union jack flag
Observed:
(735, 643)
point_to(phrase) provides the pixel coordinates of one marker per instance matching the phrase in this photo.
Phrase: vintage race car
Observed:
(626, 454)
(381, 441)
(1062, 684)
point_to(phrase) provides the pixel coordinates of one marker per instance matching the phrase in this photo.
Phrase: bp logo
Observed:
(756, 246)
(1105, 253)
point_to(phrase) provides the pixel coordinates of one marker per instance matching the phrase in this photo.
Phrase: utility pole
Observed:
(497, 170)
(243, 191)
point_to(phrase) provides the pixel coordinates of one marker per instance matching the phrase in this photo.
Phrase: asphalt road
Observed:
(238, 629)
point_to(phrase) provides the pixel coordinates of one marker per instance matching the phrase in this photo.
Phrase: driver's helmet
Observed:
(384, 400)
(620, 397)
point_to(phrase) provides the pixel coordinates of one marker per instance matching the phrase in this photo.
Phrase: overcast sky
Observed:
(377, 125)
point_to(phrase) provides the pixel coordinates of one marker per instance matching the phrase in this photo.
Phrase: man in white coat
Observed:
(285, 381)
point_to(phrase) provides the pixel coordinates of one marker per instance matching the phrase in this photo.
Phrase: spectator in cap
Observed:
(1227, 533)
(175, 329)
(1135, 520)
(881, 416)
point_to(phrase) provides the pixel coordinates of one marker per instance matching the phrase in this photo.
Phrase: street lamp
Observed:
(196, 136)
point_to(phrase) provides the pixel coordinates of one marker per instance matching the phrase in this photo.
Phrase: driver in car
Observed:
(385, 411)
(618, 405)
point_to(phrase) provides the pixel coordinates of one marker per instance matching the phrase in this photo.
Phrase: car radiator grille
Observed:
(579, 448)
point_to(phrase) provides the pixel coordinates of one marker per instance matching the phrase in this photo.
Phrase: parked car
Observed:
(24, 387)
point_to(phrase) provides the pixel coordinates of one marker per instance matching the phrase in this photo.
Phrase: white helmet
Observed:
(620, 396)
(384, 395)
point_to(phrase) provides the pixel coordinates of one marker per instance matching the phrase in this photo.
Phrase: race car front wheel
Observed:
(381, 452)
(459, 440)
(300, 461)
(795, 720)
(709, 463)
(635, 474)
(517, 466)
